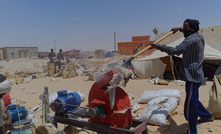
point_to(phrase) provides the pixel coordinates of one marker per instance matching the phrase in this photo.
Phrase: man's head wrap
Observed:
(193, 24)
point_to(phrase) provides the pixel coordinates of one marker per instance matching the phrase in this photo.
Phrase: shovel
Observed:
(128, 62)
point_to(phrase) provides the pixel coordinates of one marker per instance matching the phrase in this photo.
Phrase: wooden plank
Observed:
(136, 122)
(140, 126)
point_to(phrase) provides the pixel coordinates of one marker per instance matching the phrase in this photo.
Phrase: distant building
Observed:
(132, 47)
(19, 52)
(43, 54)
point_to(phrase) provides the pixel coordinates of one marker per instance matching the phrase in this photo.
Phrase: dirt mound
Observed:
(99, 64)
(24, 67)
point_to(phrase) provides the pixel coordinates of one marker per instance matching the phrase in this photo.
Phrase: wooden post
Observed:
(54, 46)
(115, 42)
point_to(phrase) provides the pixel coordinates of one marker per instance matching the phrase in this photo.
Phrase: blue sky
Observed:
(90, 24)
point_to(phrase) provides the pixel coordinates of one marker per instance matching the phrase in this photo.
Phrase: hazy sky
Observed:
(90, 24)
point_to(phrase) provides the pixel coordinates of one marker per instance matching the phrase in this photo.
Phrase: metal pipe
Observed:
(71, 105)
(46, 100)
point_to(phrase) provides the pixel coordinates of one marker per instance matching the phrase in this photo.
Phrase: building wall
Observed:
(100, 53)
(211, 35)
(141, 38)
(129, 47)
(4, 53)
(15, 52)
(1, 54)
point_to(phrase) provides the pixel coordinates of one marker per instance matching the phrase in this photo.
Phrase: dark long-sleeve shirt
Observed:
(192, 49)
(60, 56)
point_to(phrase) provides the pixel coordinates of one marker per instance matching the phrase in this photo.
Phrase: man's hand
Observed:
(175, 29)
(152, 45)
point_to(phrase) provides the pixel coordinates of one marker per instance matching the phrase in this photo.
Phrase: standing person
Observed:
(5, 87)
(60, 56)
(192, 49)
(52, 55)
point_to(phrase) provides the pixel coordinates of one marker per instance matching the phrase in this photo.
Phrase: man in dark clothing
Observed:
(60, 56)
(192, 49)
(52, 55)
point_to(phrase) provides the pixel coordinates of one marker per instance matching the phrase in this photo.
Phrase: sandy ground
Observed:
(30, 92)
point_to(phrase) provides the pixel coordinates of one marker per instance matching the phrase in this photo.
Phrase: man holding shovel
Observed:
(192, 49)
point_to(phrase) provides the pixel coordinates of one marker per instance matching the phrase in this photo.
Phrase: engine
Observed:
(14, 114)
(66, 102)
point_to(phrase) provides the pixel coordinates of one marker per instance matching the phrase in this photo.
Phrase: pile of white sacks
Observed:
(160, 104)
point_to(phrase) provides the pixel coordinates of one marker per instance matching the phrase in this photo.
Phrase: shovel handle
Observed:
(148, 47)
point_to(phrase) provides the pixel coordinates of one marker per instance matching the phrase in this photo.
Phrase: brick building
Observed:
(19, 52)
(129, 47)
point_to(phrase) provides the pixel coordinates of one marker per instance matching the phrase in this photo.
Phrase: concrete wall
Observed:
(1, 54)
(212, 36)
(4, 53)
(15, 52)
(100, 53)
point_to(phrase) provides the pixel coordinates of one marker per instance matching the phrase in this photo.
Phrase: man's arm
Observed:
(171, 50)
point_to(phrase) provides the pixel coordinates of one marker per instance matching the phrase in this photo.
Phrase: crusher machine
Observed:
(102, 118)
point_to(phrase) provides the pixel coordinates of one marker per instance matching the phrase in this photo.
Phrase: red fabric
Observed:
(7, 100)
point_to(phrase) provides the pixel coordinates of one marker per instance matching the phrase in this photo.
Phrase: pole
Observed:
(54, 46)
(115, 42)
(46, 100)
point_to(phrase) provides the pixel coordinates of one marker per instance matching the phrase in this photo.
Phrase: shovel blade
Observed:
(113, 64)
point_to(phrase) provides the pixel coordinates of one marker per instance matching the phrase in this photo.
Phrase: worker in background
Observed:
(60, 57)
(52, 55)
(192, 49)
(5, 87)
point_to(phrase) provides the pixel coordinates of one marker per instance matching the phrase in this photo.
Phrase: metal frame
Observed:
(18, 127)
(71, 119)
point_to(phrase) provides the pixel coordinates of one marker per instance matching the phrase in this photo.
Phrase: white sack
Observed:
(79, 72)
(158, 109)
(52, 97)
(149, 95)
(82, 95)
(5, 86)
